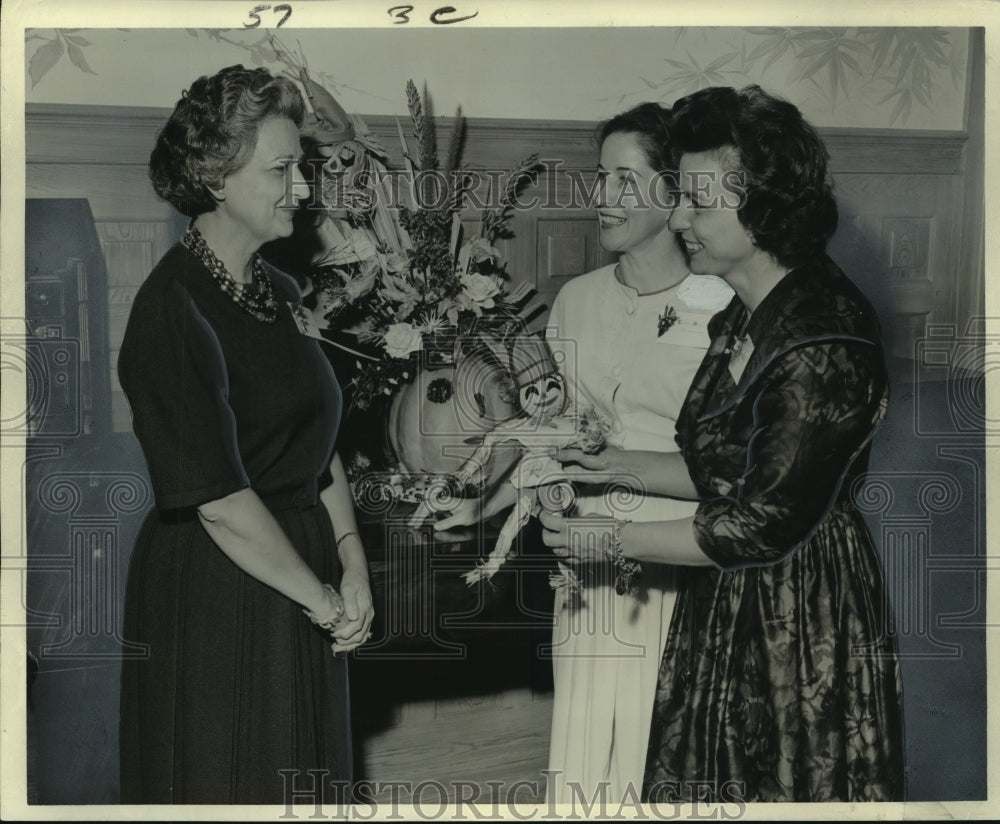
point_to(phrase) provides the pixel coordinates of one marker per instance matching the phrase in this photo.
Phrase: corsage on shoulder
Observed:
(706, 292)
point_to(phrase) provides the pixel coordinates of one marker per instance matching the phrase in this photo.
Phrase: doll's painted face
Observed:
(543, 398)
(348, 178)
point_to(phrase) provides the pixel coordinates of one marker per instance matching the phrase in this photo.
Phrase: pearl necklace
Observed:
(255, 298)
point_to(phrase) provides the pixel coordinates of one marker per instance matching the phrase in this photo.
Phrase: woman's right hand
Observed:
(656, 473)
(610, 465)
(469, 511)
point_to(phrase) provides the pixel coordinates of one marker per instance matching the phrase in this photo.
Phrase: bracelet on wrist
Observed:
(626, 569)
(346, 535)
(331, 622)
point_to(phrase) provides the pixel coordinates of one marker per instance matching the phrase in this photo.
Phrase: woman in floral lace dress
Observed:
(629, 338)
(779, 680)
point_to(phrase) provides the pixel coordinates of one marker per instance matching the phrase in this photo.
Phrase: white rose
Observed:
(480, 289)
(401, 339)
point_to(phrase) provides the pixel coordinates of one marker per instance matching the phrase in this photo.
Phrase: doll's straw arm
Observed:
(515, 522)
(474, 462)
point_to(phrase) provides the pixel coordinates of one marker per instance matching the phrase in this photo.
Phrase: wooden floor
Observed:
(459, 691)
(500, 738)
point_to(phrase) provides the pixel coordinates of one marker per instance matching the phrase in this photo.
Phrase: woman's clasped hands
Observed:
(346, 615)
(354, 629)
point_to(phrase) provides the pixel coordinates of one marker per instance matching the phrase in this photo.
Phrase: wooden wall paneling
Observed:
(896, 239)
(110, 146)
(60, 133)
(122, 135)
(567, 245)
(521, 262)
(888, 151)
(566, 236)
(945, 256)
(115, 191)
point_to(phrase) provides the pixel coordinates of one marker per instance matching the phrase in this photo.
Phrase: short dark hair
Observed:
(789, 207)
(213, 131)
(650, 122)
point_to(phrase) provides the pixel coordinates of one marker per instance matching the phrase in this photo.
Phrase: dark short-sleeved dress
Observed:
(779, 681)
(237, 684)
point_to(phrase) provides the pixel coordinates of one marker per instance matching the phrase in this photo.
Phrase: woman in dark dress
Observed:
(237, 414)
(779, 681)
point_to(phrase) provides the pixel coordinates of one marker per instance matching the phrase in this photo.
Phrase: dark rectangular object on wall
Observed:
(65, 346)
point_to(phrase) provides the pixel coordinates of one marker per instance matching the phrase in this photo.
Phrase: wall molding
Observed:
(915, 180)
(123, 135)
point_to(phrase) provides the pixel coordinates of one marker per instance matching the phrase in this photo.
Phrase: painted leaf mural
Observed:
(834, 54)
(690, 76)
(62, 42)
(903, 77)
(823, 65)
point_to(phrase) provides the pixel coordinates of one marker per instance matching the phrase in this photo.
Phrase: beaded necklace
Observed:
(256, 297)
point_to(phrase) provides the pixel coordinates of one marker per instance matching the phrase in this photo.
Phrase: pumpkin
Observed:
(432, 419)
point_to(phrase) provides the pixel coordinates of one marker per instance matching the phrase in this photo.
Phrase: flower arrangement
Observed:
(402, 277)
(394, 269)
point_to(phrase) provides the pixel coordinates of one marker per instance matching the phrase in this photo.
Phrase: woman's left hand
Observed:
(577, 540)
(355, 629)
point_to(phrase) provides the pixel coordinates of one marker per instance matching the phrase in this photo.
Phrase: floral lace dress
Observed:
(779, 680)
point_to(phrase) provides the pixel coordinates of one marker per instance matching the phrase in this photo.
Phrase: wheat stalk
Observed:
(494, 221)
(429, 147)
(416, 112)
(457, 143)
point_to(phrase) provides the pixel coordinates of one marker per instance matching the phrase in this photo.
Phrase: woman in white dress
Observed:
(628, 338)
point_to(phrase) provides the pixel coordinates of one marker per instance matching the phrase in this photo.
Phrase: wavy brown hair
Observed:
(212, 132)
(788, 207)
(650, 123)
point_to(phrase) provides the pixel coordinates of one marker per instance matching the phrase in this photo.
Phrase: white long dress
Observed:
(606, 648)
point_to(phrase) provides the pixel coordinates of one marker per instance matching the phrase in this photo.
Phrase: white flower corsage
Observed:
(706, 292)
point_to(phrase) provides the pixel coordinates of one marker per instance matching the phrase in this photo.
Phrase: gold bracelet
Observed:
(346, 535)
